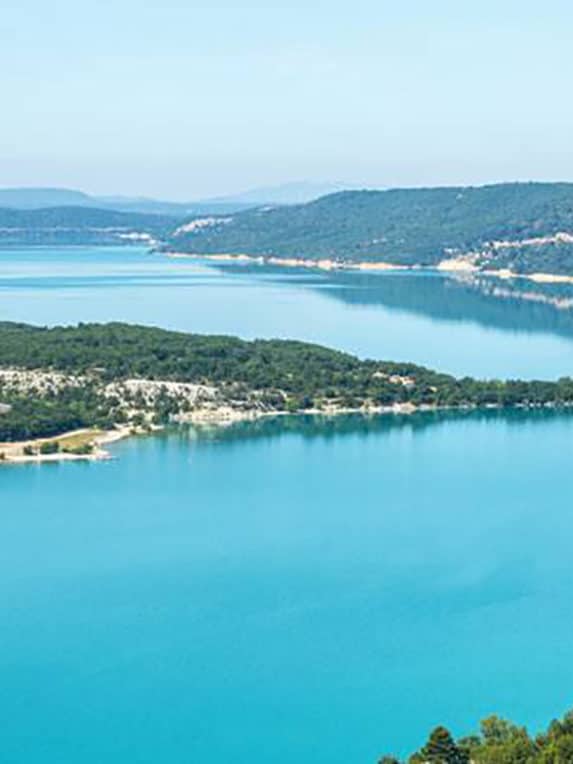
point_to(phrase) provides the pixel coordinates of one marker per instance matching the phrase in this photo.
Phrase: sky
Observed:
(186, 100)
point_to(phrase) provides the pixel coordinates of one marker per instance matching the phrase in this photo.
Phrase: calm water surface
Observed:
(304, 593)
(300, 590)
(451, 325)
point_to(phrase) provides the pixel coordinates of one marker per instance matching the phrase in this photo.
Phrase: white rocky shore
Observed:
(196, 404)
(453, 262)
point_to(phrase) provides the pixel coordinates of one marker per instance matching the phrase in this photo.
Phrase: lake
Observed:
(303, 589)
(477, 327)
(310, 592)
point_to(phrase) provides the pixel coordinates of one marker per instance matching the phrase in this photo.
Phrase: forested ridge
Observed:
(285, 376)
(406, 227)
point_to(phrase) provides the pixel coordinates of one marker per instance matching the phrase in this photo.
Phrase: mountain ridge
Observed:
(32, 197)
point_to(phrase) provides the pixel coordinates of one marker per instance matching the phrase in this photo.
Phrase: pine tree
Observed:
(442, 749)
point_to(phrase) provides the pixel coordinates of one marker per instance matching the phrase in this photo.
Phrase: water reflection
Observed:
(464, 326)
(325, 427)
(509, 304)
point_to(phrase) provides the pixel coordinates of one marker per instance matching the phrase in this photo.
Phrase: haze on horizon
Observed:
(185, 100)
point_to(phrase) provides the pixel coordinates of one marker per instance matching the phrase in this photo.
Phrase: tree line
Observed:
(498, 742)
(287, 376)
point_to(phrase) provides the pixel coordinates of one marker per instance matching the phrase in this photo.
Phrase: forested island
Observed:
(498, 742)
(104, 376)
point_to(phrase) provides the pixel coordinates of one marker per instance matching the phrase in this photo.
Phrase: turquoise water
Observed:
(441, 322)
(298, 590)
(287, 592)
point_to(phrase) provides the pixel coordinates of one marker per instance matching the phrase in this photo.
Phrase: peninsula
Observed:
(64, 391)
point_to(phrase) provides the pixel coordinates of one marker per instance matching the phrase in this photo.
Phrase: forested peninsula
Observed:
(100, 377)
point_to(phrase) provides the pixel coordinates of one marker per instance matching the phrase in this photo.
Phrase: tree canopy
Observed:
(498, 742)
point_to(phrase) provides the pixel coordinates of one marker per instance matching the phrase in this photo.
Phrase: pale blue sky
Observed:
(188, 99)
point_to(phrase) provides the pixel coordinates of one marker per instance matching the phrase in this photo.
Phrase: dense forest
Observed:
(498, 742)
(271, 375)
(405, 226)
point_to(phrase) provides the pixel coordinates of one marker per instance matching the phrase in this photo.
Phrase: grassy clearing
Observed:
(76, 440)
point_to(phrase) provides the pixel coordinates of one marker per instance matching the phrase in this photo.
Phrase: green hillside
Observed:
(405, 226)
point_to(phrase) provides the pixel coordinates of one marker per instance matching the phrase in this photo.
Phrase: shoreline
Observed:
(448, 266)
(12, 452)
(324, 264)
(226, 417)
(215, 418)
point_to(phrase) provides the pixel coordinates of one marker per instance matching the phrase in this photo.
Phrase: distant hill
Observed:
(175, 209)
(41, 198)
(523, 226)
(36, 198)
(287, 193)
(81, 225)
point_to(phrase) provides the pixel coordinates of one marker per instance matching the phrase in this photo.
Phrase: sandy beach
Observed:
(15, 453)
